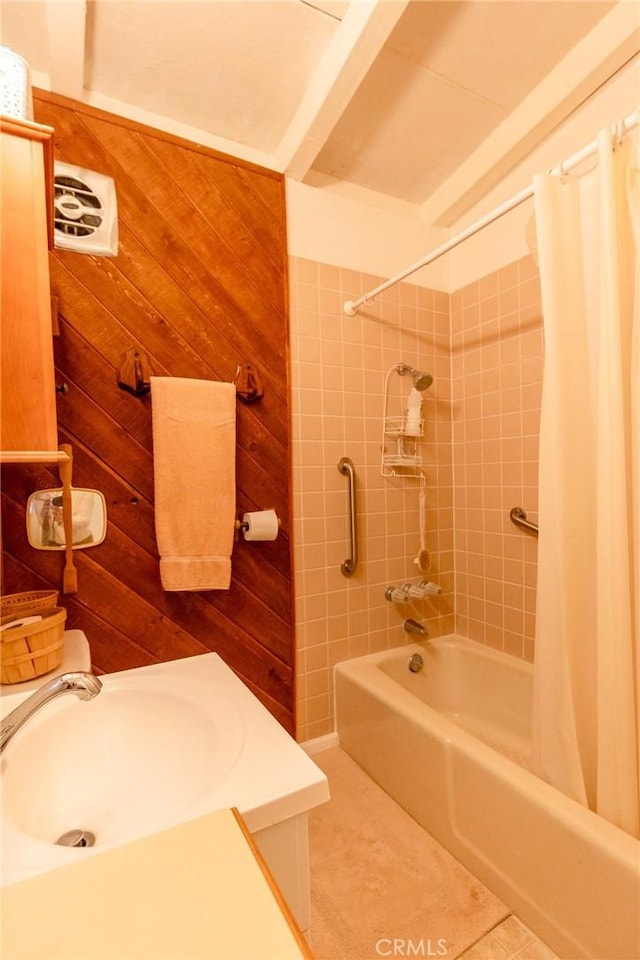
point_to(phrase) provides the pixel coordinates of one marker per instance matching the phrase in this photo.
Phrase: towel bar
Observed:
(519, 517)
(135, 372)
(348, 567)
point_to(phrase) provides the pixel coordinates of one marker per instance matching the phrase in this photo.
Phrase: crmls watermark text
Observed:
(399, 947)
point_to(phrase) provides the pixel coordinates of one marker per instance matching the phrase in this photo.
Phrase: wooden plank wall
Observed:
(199, 283)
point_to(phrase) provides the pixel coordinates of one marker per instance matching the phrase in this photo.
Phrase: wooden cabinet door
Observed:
(27, 387)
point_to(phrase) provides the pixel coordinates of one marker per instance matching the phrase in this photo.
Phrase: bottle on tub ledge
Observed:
(413, 421)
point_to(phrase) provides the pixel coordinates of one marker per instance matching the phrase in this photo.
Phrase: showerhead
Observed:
(421, 381)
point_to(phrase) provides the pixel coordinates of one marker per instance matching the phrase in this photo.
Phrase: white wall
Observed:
(330, 228)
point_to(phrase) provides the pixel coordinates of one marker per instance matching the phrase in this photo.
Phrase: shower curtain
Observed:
(587, 648)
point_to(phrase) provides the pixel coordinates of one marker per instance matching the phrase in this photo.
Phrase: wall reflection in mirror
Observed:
(45, 524)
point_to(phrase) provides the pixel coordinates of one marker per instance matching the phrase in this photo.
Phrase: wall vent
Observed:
(85, 211)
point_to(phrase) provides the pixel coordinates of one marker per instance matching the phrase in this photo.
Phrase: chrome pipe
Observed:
(348, 566)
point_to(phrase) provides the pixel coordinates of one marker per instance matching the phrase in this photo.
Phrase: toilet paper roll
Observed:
(261, 525)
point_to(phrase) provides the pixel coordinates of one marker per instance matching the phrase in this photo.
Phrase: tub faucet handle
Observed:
(429, 588)
(414, 591)
(396, 595)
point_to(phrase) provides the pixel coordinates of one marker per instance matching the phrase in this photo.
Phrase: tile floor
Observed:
(510, 940)
(383, 887)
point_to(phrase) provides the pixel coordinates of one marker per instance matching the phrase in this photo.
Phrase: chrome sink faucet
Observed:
(84, 685)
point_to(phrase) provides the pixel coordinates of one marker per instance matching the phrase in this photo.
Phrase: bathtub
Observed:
(450, 744)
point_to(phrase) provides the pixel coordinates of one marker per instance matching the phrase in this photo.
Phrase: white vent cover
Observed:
(86, 212)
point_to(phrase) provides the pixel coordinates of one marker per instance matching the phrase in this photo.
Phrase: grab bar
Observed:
(348, 567)
(519, 517)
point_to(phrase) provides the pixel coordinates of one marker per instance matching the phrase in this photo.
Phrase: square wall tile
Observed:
(483, 346)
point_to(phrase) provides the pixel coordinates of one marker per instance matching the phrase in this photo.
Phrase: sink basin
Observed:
(148, 752)
(159, 745)
(135, 757)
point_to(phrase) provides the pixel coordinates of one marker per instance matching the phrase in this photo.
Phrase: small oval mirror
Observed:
(45, 528)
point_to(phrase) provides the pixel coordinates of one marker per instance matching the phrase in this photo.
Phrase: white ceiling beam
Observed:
(594, 60)
(356, 43)
(67, 46)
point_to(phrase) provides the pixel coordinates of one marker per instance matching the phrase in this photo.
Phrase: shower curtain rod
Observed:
(350, 307)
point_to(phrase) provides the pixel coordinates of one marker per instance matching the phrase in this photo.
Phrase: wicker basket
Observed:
(30, 649)
(18, 604)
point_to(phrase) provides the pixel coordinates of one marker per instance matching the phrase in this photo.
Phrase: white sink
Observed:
(134, 759)
(157, 746)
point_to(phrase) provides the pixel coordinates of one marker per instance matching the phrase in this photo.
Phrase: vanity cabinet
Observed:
(28, 428)
(28, 422)
(197, 890)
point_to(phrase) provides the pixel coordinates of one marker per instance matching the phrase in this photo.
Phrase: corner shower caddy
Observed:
(401, 455)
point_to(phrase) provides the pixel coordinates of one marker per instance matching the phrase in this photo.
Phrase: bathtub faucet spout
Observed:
(412, 626)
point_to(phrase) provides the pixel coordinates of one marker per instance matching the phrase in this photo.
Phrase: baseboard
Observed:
(319, 744)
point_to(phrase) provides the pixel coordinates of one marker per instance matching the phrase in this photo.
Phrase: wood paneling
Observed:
(199, 284)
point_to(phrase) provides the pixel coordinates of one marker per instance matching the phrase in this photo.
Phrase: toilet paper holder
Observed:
(259, 525)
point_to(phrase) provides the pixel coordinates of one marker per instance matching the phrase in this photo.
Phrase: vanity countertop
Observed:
(197, 890)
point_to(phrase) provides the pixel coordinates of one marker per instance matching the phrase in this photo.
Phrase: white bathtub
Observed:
(450, 744)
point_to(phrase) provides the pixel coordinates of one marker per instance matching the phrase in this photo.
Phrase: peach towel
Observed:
(194, 453)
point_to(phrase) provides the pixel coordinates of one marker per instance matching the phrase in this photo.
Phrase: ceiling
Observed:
(386, 100)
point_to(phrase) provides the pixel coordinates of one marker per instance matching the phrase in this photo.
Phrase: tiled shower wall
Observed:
(483, 346)
(496, 362)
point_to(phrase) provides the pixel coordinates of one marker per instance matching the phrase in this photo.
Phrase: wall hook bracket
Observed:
(248, 383)
(135, 372)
